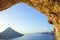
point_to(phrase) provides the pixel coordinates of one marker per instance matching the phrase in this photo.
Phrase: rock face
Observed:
(51, 8)
(9, 33)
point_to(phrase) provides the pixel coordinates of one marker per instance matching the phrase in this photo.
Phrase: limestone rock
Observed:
(51, 8)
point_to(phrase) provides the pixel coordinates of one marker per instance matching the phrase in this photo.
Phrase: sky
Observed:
(24, 19)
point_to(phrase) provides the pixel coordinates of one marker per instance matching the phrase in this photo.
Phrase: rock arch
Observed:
(51, 8)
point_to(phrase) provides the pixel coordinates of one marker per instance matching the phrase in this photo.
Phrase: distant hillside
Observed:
(50, 33)
(9, 33)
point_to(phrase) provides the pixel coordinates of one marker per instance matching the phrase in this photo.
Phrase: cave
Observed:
(51, 8)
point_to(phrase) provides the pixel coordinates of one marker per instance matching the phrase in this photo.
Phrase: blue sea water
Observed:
(34, 37)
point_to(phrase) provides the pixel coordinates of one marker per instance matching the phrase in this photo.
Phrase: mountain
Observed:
(49, 33)
(9, 33)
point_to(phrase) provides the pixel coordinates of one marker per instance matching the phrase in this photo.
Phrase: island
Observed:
(9, 33)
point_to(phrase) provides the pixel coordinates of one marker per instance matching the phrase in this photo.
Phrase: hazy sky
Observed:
(24, 19)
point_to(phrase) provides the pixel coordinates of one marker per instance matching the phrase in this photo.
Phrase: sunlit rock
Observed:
(51, 8)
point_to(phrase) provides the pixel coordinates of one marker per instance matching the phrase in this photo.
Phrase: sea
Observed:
(34, 37)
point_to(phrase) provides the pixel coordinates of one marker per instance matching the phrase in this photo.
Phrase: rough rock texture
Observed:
(51, 8)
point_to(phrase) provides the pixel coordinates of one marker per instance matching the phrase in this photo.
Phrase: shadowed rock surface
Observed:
(51, 8)
(9, 33)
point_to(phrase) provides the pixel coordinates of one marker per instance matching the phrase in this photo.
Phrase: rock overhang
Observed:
(51, 8)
